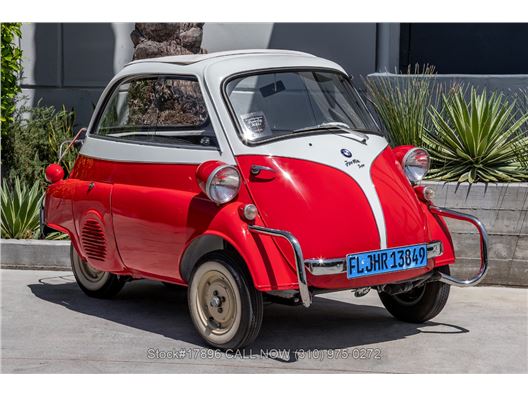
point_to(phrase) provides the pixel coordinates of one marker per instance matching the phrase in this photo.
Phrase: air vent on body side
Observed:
(93, 240)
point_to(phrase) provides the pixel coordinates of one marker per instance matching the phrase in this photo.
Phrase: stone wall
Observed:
(503, 210)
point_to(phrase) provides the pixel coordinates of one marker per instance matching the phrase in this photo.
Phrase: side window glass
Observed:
(158, 110)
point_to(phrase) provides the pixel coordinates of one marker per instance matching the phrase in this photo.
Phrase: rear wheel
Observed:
(419, 304)
(93, 282)
(225, 307)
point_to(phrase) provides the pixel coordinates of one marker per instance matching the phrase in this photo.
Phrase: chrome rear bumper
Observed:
(335, 266)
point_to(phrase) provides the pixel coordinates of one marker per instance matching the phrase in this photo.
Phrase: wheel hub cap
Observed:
(217, 302)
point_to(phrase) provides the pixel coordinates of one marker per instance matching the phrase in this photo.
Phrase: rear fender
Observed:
(58, 213)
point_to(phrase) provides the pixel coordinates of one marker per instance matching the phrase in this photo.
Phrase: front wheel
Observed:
(93, 282)
(419, 304)
(225, 307)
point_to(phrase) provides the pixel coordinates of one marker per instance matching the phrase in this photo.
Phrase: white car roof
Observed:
(194, 58)
(216, 66)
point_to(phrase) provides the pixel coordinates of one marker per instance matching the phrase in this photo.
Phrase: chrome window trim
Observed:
(233, 116)
(109, 91)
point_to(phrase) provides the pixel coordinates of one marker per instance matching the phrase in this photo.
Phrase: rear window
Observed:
(158, 110)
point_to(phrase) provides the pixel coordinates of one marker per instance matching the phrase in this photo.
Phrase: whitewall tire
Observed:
(225, 308)
(93, 282)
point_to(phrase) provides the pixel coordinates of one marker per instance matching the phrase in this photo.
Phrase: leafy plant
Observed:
(479, 141)
(33, 143)
(11, 70)
(521, 101)
(402, 103)
(20, 210)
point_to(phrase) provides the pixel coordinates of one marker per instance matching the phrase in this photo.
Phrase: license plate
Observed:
(386, 261)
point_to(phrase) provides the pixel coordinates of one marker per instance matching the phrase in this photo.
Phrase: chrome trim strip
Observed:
(299, 261)
(335, 266)
(326, 266)
(484, 241)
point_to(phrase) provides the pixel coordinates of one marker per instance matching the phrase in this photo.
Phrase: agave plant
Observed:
(480, 140)
(20, 210)
(521, 100)
(402, 103)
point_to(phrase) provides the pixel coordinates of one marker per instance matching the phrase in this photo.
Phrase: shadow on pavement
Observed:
(328, 324)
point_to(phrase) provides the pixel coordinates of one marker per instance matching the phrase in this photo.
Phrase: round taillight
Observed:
(54, 173)
(220, 182)
(414, 161)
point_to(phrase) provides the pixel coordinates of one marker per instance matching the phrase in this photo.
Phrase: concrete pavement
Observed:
(49, 326)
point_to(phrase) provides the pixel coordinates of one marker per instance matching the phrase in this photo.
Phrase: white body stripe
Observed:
(326, 149)
(113, 150)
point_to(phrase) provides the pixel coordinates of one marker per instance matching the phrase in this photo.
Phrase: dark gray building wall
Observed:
(70, 64)
(466, 48)
(352, 45)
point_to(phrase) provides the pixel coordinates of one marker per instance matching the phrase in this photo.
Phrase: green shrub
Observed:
(471, 137)
(20, 207)
(477, 140)
(521, 101)
(402, 103)
(33, 143)
(11, 70)
(20, 210)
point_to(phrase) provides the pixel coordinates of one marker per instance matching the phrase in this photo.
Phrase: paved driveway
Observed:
(49, 325)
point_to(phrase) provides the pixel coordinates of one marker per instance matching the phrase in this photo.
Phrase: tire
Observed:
(225, 307)
(94, 283)
(419, 304)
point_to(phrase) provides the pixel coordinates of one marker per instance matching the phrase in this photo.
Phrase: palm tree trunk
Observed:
(149, 102)
(152, 40)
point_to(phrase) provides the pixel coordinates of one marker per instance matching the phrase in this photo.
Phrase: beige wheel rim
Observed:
(215, 302)
(90, 277)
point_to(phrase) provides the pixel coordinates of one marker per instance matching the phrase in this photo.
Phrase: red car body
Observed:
(142, 216)
(101, 207)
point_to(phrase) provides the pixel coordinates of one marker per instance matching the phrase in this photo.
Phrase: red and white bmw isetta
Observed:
(250, 175)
